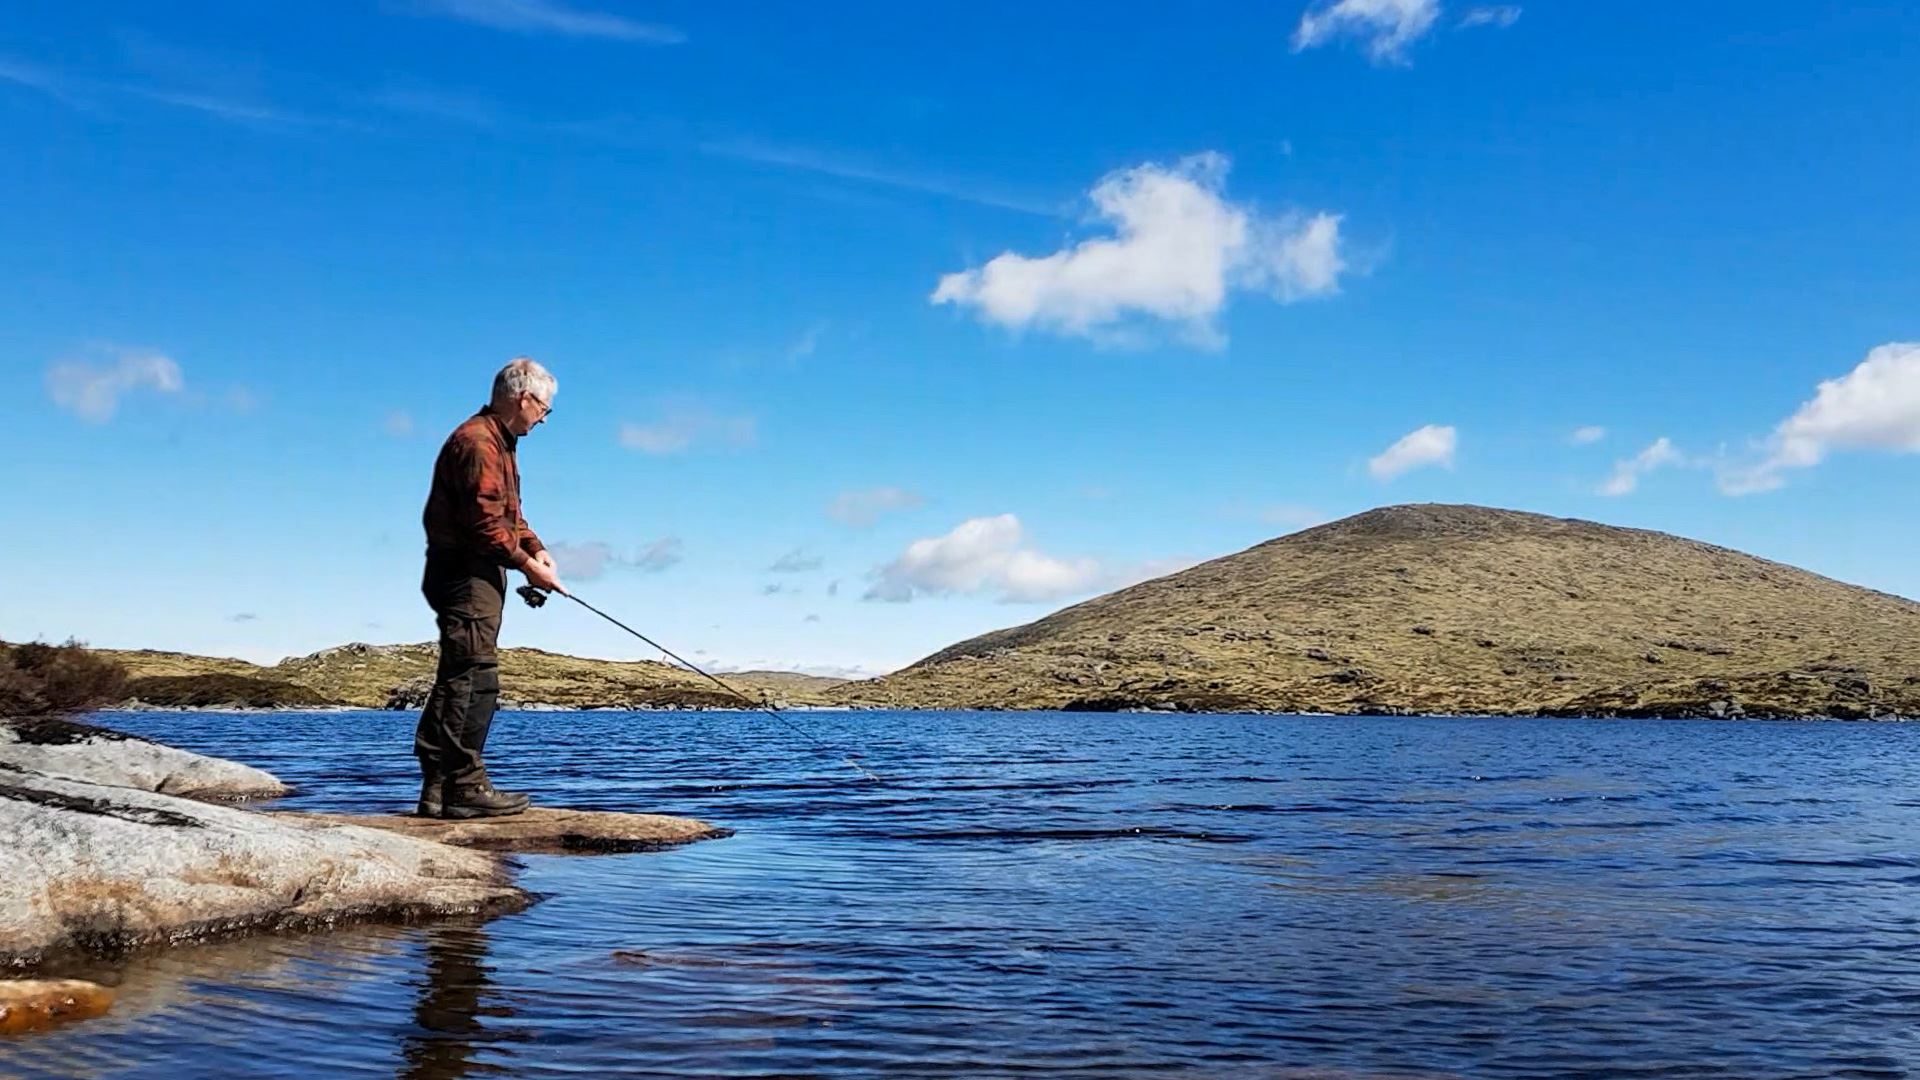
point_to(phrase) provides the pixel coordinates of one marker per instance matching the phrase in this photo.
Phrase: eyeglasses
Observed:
(546, 408)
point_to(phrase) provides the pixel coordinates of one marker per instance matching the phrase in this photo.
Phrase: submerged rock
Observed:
(31, 1004)
(62, 748)
(541, 830)
(101, 868)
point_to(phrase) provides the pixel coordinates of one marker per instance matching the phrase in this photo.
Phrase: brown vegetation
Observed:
(56, 680)
(1451, 609)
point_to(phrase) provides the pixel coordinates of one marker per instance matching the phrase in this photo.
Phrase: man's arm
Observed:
(529, 543)
(485, 508)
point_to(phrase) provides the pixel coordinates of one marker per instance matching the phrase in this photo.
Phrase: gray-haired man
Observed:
(475, 534)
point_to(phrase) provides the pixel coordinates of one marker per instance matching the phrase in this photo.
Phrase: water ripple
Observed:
(1305, 898)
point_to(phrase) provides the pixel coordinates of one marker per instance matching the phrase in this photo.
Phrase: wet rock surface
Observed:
(541, 830)
(32, 1004)
(99, 868)
(75, 751)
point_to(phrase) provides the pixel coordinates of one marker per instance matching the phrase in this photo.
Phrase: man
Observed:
(475, 534)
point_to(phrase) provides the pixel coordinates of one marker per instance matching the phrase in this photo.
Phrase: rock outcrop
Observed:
(543, 830)
(31, 1004)
(62, 748)
(101, 868)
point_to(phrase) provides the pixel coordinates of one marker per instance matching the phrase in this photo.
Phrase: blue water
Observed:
(1101, 895)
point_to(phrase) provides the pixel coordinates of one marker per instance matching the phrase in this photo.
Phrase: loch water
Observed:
(1111, 895)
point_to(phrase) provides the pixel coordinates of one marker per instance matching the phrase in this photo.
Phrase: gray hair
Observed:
(524, 375)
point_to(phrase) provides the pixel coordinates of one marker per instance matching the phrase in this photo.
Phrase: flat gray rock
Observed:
(542, 830)
(84, 752)
(99, 867)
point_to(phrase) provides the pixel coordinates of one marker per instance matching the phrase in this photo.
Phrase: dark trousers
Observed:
(467, 597)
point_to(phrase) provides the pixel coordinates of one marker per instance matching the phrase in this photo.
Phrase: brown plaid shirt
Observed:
(473, 507)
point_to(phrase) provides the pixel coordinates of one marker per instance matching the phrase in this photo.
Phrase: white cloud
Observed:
(987, 554)
(92, 389)
(552, 17)
(1584, 436)
(1501, 15)
(1876, 406)
(683, 425)
(399, 424)
(1179, 248)
(1430, 445)
(1628, 471)
(593, 558)
(862, 508)
(1387, 26)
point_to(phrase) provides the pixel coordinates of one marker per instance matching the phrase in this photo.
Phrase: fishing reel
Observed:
(534, 597)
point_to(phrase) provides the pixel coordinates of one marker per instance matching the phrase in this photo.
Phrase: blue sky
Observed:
(878, 326)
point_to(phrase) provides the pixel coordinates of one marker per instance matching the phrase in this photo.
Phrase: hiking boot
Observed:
(481, 800)
(433, 791)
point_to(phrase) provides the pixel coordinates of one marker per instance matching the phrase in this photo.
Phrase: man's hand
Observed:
(542, 575)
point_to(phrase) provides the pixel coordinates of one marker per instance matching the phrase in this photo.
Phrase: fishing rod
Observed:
(536, 597)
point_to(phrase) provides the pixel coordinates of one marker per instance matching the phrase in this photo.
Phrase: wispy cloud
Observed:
(38, 78)
(592, 559)
(399, 424)
(1177, 251)
(1584, 436)
(1432, 445)
(92, 387)
(808, 341)
(845, 167)
(683, 425)
(797, 561)
(94, 95)
(1627, 472)
(551, 17)
(862, 509)
(1501, 16)
(434, 104)
(249, 112)
(1292, 515)
(1876, 406)
(1387, 27)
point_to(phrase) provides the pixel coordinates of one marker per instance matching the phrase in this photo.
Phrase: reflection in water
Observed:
(453, 992)
(1098, 895)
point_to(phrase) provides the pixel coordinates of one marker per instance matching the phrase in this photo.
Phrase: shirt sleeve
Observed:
(484, 511)
(529, 542)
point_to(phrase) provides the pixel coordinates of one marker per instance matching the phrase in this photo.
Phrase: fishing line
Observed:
(535, 597)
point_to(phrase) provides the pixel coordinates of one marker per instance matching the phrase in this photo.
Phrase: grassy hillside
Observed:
(381, 676)
(1451, 609)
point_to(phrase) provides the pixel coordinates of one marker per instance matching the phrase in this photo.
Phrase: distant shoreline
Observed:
(1397, 715)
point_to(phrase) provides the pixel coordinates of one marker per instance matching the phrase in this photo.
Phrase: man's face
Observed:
(529, 412)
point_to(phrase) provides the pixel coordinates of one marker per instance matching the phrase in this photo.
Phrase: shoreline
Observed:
(1767, 716)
